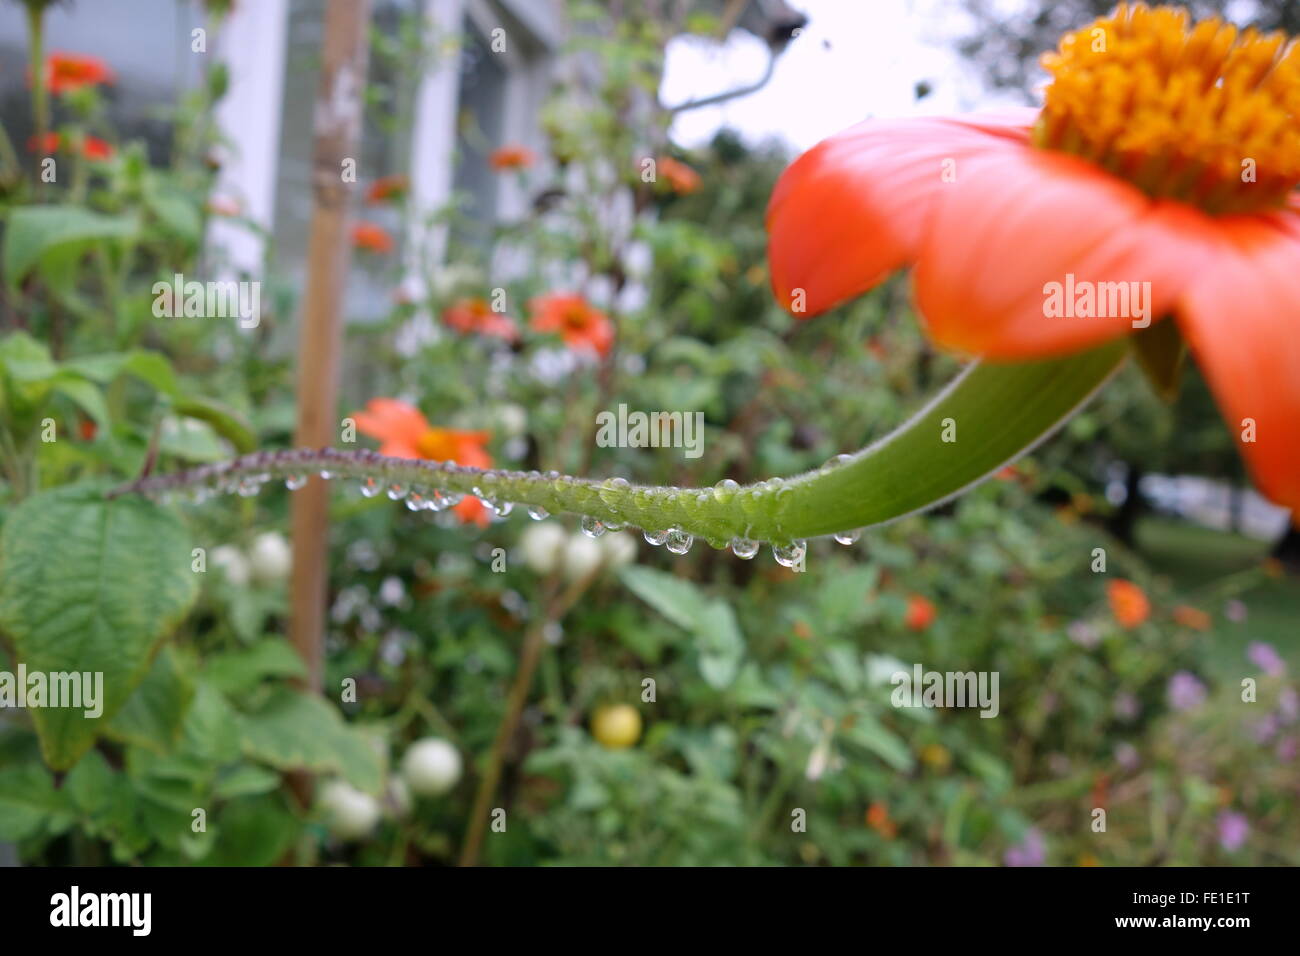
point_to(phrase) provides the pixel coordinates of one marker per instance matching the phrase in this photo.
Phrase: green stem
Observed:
(40, 87)
(987, 417)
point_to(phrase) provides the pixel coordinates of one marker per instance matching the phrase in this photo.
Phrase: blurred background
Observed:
(684, 709)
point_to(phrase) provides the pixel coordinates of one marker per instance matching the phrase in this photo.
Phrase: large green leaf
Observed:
(34, 232)
(295, 731)
(89, 584)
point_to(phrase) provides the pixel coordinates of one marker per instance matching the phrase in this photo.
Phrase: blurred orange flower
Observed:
(476, 317)
(92, 147)
(387, 189)
(582, 326)
(680, 178)
(1192, 617)
(372, 238)
(1128, 602)
(920, 613)
(404, 432)
(512, 156)
(878, 820)
(65, 72)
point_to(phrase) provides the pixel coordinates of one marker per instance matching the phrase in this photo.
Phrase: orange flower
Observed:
(1170, 160)
(582, 326)
(1191, 617)
(1128, 602)
(878, 820)
(372, 238)
(92, 147)
(403, 432)
(680, 178)
(387, 189)
(476, 317)
(920, 613)
(65, 72)
(513, 156)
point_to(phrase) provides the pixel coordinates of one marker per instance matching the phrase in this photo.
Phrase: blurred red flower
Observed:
(512, 156)
(387, 189)
(1128, 602)
(404, 432)
(92, 147)
(65, 72)
(371, 238)
(581, 325)
(920, 613)
(680, 178)
(476, 317)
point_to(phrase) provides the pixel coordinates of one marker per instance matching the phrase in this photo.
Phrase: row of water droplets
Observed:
(677, 540)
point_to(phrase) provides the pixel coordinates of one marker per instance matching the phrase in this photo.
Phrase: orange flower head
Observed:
(878, 819)
(476, 317)
(1191, 617)
(513, 156)
(581, 325)
(920, 613)
(404, 432)
(92, 147)
(1156, 183)
(680, 178)
(1128, 602)
(65, 72)
(372, 238)
(387, 189)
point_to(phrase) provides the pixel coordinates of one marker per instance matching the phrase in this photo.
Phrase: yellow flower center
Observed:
(438, 444)
(1202, 113)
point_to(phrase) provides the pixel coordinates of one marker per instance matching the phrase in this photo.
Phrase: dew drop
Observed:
(502, 508)
(790, 554)
(679, 541)
(591, 527)
(369, 487)
(452, 498)
(294, 482)
(744, 548)
(326, 474)
(614, 525)
(396, 491)
(836, 461)
(725, 489)
(655, 537)
(416, 501)
(538, 513)
(848, 537)
(248, 487)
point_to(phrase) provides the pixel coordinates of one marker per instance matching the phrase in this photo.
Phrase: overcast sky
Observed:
(856, 58)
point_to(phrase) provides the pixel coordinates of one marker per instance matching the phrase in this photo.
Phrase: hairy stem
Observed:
(989, 416)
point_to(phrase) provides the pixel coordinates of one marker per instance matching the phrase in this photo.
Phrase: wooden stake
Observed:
(336, 140)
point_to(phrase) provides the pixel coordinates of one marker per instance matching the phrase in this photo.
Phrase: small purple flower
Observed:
(1031, 851)
(1126, 706)
(1185, 691)
(1233, 830)
(1287, 748)
(1234, 611)
(1266, 658)
(1264, 730)
(1288, 705)
(1084, 633)
(1126, 755)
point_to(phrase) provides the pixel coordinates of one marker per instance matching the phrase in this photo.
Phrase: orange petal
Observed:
(1241, 319)
(390, 420)
(1020, 225)
(855, 207)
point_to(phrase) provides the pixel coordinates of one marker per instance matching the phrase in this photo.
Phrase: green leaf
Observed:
(235, 672)
(675, 598)
(33, 232)
(872, 736)
(154, 715)
(90, 585)
(296, 731)
(720, 645)
(28, 802)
